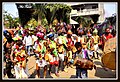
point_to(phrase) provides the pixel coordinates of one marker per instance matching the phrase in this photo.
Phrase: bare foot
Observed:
(57, 74)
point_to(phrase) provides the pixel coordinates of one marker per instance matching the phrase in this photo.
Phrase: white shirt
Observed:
(28, 40)
(81, 39)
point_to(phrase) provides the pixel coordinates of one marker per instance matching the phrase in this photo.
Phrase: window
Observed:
(95, 6)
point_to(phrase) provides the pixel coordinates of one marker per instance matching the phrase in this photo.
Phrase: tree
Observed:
(50, 13)
(39, 12)
(25, 13)
(9, 21)
(95, 18)
(63, 13)
(59, 11)
(86, 22)
(43, 12)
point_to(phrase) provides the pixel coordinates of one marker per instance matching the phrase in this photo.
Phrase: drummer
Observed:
(81, 38)
(7, 51)
(106, 36)
(80, 54)
(70, 44)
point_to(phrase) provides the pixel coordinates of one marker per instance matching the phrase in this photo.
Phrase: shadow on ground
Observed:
(73, 76)
(98, 63)
(100, 72)
(33, 75)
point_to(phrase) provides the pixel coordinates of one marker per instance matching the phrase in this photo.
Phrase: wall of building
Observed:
(102, 12)
(89, 10)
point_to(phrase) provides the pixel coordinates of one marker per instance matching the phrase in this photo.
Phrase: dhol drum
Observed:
(86, 64)
(109, 57)
(109, 60)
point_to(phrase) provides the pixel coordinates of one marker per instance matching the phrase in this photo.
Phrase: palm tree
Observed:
(59, 11)
(86, 22)
(40, 12)
(50, 13)
(63, 13)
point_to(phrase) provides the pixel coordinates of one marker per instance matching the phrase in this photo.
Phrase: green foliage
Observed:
(46, 13)
(44, 22)
(9, 21)
(39, 11)
(63, 13)
(59, 11)
(50, 12)
(32, 23)
(86, 22)
(25, 14)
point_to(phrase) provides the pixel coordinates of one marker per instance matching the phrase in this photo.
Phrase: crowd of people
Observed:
(58, 46)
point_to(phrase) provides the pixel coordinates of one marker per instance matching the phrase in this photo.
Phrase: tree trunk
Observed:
(39, 19)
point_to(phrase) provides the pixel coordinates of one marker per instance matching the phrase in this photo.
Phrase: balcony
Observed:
(88, 12)
(85, 12)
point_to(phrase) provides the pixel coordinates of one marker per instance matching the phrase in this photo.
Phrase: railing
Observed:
(88, 12)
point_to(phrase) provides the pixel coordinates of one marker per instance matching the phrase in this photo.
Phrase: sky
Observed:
(110, 8)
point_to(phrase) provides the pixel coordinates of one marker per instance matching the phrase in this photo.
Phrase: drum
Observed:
(109, 57)
(86, 64)
(109, 60)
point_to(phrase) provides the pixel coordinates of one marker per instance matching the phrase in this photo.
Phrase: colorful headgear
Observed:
(95, 31)
(69, 32)
(58, 24)
(64, 24)
(40, 35)
(89, 35)
(81, 30)
(50, 35)
(5, 32)
(17, 38)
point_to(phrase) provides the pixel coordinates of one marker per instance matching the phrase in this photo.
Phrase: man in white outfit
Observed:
(28, 41)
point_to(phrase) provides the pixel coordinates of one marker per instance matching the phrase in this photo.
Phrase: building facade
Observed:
(92, 10)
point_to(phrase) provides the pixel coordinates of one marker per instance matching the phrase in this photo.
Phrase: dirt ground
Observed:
(99, 73)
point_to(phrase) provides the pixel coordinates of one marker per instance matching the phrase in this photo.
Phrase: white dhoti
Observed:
(90, 52)
(61, 57)
(52, 58)
(21, 72)
(96, 47)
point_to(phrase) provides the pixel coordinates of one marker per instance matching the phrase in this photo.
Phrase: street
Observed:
(99, 73)
(92, 74)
